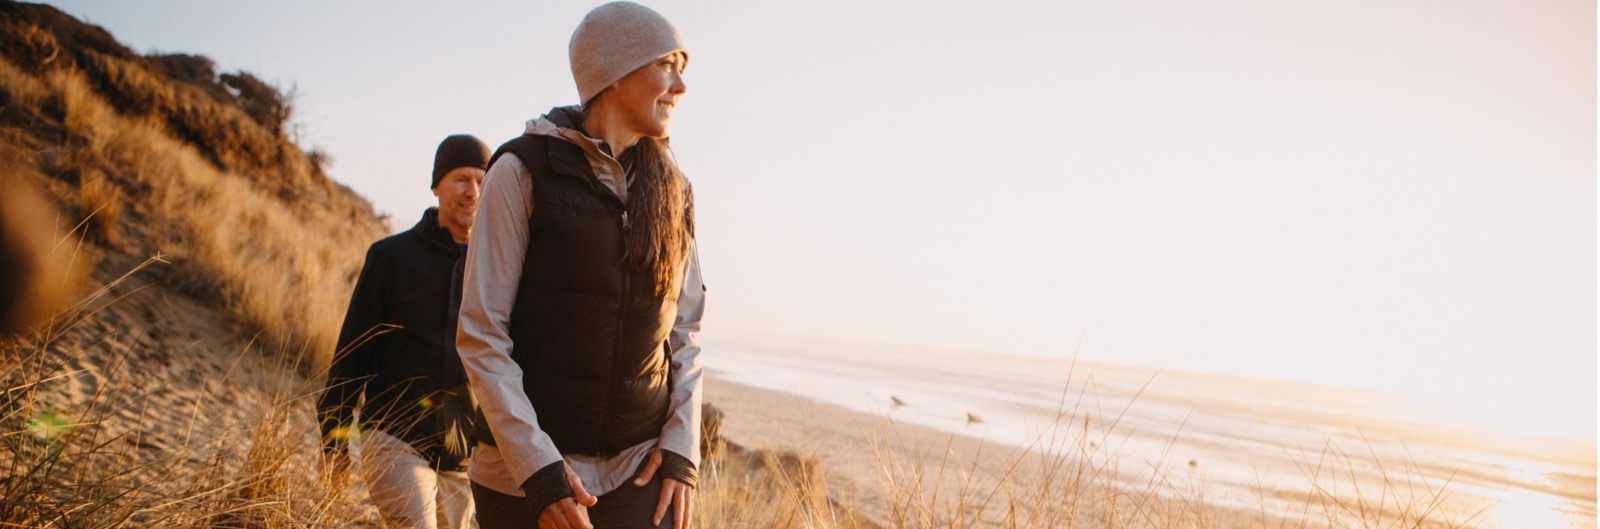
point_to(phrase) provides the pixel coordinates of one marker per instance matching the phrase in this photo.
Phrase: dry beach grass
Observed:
(109, 421)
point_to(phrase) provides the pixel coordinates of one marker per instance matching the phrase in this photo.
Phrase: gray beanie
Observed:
(614, 40)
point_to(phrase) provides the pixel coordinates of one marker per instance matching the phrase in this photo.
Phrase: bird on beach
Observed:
(896, 400)
(973, 418)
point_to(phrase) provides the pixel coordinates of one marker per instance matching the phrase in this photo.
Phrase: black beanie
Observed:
(460, 150)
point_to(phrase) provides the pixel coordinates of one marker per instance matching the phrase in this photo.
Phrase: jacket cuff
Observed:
(677, 467)
(547, 486)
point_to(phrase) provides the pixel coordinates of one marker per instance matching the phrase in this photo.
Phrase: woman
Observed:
(582, 298)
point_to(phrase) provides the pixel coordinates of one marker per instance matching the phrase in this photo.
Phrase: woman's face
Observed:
(645, 97)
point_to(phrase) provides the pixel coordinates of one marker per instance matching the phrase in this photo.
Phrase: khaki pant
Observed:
(408, 492)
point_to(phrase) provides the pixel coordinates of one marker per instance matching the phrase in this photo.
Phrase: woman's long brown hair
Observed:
(661, 213)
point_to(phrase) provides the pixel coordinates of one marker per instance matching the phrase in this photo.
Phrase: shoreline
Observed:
(882, 469)
(1232, 444)
(841, 440)
(886, 469)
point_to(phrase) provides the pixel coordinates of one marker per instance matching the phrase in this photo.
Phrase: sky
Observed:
(1393, 196)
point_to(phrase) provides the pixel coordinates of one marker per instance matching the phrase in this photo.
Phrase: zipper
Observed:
(622, 321)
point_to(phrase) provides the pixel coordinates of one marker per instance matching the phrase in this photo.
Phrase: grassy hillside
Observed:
(163, 204)
(207, 237)
(160, 155)
(184, 233)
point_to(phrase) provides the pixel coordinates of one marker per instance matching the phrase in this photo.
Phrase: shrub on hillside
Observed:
(196, 70)
(261, 101)
(230, 139)
(159, 155)
(127, 85)
(69, 33)
(30, 114)
(30, 47)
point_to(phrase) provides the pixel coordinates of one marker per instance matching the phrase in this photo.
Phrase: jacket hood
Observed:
(566, 124)
(554, 122)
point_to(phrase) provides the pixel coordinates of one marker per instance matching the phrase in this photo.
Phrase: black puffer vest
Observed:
(588, 332)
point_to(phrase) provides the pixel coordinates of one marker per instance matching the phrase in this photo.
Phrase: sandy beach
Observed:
(1246, 453)
(869, 463)
(838, 438)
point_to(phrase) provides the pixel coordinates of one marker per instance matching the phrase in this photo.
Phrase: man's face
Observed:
(458, 198)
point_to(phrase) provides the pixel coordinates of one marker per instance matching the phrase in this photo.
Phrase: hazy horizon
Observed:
(1397, 197)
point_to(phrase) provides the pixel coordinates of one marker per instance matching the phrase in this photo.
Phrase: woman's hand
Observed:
(565, 514)
(677, 494)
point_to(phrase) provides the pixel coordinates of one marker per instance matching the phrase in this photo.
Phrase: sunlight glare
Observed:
(1521, 508)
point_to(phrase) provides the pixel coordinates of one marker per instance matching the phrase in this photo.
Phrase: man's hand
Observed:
(336, 466)
(673, 492)
(565, 514)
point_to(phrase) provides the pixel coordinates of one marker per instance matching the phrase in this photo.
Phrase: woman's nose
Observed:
(678, 87)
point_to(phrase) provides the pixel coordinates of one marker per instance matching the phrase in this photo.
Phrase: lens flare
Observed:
(49, 425)
(346, 433)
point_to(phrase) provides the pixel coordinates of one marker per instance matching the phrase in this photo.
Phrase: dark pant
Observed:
(628, 507)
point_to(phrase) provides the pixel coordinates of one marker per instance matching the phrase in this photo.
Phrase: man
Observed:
(397, 359)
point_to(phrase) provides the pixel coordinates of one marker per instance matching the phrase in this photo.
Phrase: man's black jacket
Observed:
(414, 384)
